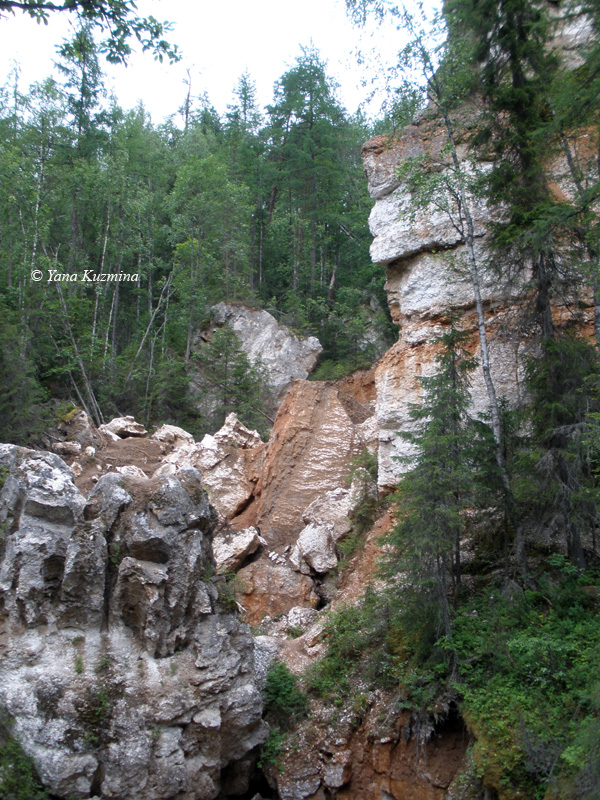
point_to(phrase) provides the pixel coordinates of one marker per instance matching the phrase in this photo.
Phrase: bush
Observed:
(285, 702)
(272, 749)
(358, 647)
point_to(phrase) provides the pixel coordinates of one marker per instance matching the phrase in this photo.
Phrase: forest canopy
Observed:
(268, 207)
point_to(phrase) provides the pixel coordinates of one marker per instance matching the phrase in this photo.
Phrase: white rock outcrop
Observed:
(227, 460)
(232, 548)
(427, 274)
(285, 355)
(120, 675)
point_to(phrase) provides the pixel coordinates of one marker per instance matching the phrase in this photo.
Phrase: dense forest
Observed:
(148, 226)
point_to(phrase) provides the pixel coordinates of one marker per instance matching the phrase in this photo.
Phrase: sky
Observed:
(218, 41)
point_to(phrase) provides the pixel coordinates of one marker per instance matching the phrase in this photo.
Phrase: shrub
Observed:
(272, 749)
(285, 702)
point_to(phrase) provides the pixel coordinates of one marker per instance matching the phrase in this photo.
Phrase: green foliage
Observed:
(272, 749)
(363, 475)
(18, 777)
(226, 595)
(270, 211)
(556, 468)
(285, 702)
(359, 649)
(433, 495)
(240, 384)
(118, 19)
(529, 681)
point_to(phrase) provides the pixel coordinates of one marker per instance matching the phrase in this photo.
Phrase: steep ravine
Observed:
(147, 582)
(127, 671)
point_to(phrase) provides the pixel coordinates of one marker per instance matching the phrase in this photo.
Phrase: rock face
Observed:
(320, 427)
(120, 674)
(301, 501)
(425, 260)
(360, 756)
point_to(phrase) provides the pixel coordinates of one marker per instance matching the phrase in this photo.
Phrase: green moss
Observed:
(68, 413)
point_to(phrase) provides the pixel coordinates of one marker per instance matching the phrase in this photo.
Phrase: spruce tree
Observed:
(425, 545)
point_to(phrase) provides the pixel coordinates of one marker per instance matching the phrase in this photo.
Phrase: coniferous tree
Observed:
(434, 494)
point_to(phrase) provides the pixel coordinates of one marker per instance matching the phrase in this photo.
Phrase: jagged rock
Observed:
(339, 771)
(67, 448)
(236, 434)
(119, 678)
(266, 651)
(229, 463)
(131, 470)
(300, 784)
(299, 617)
(316, 547)
(228, 473)
(285, 355)
(317, 433)
(171, 434)
(232, 548)
(122, 427)
(332, 509)
(312, 444)
(75, 426)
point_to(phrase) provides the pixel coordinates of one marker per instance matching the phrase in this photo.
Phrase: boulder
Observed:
(122, 427)
(172, 434)
(67, 448)
(235, 434)
(332, 509)
(285, 355)
(316, 548)
(267, 589)
(228, 461)
(232, 548)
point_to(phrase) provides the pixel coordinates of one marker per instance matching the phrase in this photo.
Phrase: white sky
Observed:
(218, 42)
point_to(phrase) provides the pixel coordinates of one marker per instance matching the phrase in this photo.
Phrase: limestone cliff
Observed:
(424, 256)
(425, 259)
(122, 671)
